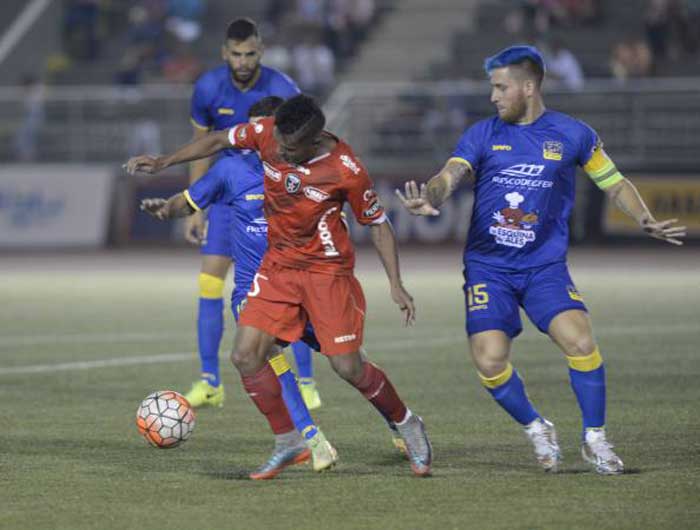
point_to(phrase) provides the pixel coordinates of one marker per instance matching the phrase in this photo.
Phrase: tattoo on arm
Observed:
(442, 185)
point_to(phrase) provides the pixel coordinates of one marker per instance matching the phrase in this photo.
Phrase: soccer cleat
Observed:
(323, 454)
(397, 440)
(544, 438)
(418, 448)
(281, 457)
(202, 394)
(309, 393)
(596, 450)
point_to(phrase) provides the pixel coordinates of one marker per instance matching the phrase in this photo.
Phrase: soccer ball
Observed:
(165, 418)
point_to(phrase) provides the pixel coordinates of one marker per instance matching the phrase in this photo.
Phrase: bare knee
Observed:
(246, 360)
(572, 332)
(349, 367)
(579, 346)
(490, 351)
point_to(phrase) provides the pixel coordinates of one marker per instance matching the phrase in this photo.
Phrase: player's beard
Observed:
(248, 78)
(516, 112)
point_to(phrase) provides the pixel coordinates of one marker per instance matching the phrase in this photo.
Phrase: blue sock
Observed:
(587, 375)
(300, 415)
(210, 326)
(509, 392)
(302, 355)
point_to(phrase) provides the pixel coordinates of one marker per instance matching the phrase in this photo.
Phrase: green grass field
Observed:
(70, 456)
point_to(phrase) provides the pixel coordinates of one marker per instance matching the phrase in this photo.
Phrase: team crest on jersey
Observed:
(258, 127)
(513, 226)
(292, 183)
(271, 172)
(315, 194)
(552, 150)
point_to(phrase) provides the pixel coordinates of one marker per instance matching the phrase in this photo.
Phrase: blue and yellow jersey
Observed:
(236, 181)
(524, 188)
(217, 103)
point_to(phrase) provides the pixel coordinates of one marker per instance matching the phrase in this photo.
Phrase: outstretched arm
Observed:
(625, 196)
(437, 190)
(384, 241)
(175, 206)
(201, 147)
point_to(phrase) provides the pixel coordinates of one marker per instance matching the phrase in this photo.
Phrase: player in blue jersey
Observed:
(235, 180)
(221, 99)
(522, 163)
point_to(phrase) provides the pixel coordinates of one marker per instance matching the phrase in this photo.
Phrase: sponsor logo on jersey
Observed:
(254, 197)
(501, 147)
(552, 150)
(325, 234)
(522, 175)
(315, 194)
(344, 338)
(513, 226)
(272, 172)
(227, 112)
(350, 164)
(257, 226)
(372, 210)
(292, 183)
(368, 195)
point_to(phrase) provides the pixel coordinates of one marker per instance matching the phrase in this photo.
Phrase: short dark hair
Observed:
(300, 115)
(242, 29)
(527, 58)
(265, 107)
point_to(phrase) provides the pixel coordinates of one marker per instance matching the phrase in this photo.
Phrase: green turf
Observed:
(70, 456)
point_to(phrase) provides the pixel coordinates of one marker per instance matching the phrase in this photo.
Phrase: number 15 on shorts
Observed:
(477, 297)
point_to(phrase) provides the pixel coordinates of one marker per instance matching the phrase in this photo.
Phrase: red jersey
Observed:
(303, 203)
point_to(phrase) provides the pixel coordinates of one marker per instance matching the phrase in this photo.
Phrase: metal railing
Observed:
(645, 125)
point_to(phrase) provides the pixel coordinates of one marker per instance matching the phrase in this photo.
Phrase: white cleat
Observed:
(597, 451)
(544, 439)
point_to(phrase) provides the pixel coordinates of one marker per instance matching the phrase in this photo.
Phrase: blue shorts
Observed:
(493, 297)
(219, 226)
(238, 300)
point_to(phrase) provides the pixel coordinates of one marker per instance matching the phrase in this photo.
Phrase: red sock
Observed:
(265, 391)
(376, 387)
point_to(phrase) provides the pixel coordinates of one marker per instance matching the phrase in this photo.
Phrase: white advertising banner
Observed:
(54, 205)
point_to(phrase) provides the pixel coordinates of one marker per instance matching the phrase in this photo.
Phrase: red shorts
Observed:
(282, 300)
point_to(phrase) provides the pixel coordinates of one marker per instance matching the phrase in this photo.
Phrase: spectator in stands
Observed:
(183, 19)
(631, 58)
(27, 135)
(182, 65)
(658, 28)
(562, 66)
(80, 26)
(314, 64)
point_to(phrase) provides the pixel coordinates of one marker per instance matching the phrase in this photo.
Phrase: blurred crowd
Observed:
(160, 40)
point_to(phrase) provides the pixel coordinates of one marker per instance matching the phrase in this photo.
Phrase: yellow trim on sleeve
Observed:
(461, 161)
(198, 126)
(588, 363)
(189, 200)
(210, 287)
(279, 364)
(497, 380)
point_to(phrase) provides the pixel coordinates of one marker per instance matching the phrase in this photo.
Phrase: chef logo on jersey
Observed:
(552, 150)
(513, 226)
(292, 183)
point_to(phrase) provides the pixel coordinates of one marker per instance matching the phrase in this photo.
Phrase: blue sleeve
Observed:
(209, 188)
(470, 145)
(588, 140)
(199, 105)
(283, 86)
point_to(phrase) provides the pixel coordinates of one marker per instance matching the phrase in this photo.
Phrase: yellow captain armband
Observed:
(189, 200)
(602, 170)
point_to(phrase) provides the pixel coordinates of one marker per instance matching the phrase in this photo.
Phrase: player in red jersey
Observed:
(307, 271)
